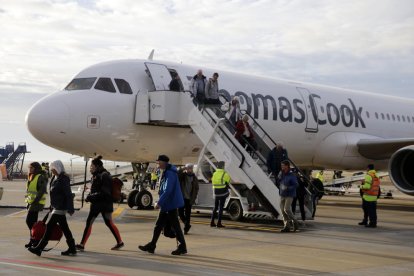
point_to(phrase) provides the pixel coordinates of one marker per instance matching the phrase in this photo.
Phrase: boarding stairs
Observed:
(15, 159)
(167, 108)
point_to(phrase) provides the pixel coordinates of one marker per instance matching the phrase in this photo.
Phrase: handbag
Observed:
(168, 231)
(39, 229)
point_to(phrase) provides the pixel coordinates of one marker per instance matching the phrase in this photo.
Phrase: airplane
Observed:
(322, 127)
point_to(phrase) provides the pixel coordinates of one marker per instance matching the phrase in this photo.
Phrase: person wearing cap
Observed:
(370, 190)
(189, 188)
(61, 202)
(101, 201)
(220, 181)
(170, 200)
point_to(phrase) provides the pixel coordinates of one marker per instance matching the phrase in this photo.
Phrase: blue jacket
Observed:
(288, 184)
(170, 192)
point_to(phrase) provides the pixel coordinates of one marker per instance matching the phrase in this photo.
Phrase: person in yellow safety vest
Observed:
(154, 178)
(370, 189)
(220, 181)
(319, 176)
(35, 196)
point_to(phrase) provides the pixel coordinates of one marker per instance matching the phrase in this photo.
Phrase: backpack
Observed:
(116, 189)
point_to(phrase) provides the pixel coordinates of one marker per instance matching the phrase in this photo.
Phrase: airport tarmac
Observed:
(332, 244)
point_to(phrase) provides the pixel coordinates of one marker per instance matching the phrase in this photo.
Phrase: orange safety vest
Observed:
(375, 186)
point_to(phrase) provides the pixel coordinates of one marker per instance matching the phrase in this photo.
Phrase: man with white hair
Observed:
(198, 84)
(189, 188)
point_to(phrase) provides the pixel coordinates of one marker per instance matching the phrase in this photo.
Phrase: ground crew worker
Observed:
(154, 178)
(35, 196)
(370, 189)
(220, 181)
(319, 176)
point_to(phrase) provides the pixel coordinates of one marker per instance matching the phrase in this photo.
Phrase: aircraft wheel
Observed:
(235, 210)
(131, 198)
(143, 199)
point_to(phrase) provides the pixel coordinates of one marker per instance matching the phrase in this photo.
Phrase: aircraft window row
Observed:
(80, 84)
(393, 117)
(104, 84)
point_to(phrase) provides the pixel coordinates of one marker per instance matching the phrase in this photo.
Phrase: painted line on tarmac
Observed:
(230, 226)
(117, 212)
(55, 268)
(18, 214)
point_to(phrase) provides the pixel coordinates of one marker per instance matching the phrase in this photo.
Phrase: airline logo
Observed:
(296, 110)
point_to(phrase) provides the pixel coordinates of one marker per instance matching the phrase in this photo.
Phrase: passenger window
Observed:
(382, 116)
(393, 117)
(367, 114)
(408, 119)
(123, 86)
(388, 116)
(403, 118)
(376, 115)
(105, 84)
(398, 118)
(80, 84)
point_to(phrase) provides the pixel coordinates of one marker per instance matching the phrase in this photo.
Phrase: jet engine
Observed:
(401, 169)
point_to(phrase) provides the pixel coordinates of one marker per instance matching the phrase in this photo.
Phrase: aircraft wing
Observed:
(378, 149)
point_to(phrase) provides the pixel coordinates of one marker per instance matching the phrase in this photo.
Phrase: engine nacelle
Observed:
(401, 169)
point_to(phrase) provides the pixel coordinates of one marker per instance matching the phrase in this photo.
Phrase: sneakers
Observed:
(219, 225)
(371, 225)
(362, 223)
(35, 250)
(149, 247)
(69, 252)
(285, 230)
(181, 250)
(118, 246)
(212, 224)
(80, 247)
(186, 229)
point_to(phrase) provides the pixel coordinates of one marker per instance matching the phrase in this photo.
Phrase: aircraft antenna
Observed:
(151, 55)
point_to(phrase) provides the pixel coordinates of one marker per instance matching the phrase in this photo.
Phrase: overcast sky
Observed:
(358, 44)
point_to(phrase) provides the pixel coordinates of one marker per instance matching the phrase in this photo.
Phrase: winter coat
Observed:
(170, 192)
(194, 84)
(101, 192)
(61, 197)
(194, 185)
(274, 158)
(212, 90)
(288, 184)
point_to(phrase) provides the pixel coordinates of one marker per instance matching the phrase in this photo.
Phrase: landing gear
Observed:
(140, 196)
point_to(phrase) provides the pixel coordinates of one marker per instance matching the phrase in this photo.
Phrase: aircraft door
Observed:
(159, 75)
(311, 110)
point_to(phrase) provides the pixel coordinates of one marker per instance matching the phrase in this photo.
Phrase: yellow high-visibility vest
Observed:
(220, 179)
(32, 191)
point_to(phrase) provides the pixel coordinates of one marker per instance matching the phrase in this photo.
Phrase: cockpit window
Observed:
(80, 84)
(123, 86)
(105, 84)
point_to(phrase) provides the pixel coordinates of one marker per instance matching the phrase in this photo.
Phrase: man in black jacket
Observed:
(189, 188)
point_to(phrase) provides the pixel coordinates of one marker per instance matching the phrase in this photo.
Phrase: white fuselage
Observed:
(318, 125)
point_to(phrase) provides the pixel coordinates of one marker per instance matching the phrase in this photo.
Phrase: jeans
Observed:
(286, 207)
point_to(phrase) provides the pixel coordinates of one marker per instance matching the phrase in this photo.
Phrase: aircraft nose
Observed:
(48, 120)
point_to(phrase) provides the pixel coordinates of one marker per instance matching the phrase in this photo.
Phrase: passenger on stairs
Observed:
(274, 159)
(175, 84)
(244, 134)
(287, 191)
(300, 197)
(212, 95)
(198, 85)
(234, 114)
